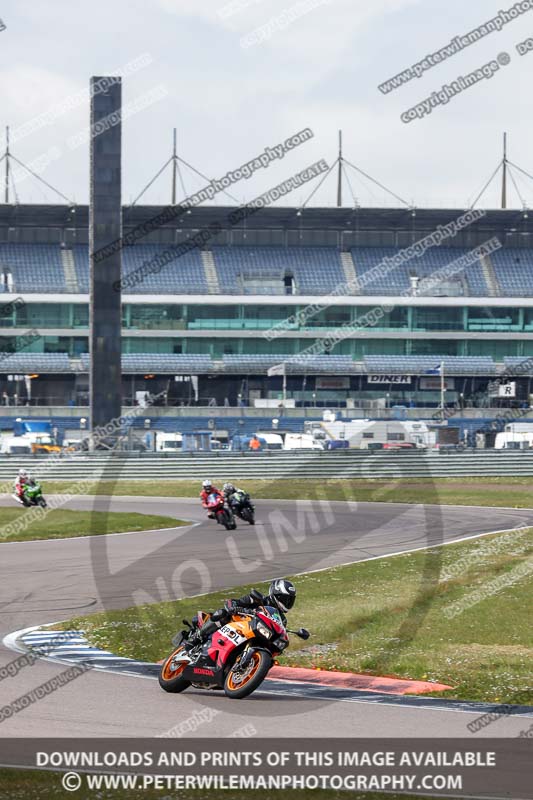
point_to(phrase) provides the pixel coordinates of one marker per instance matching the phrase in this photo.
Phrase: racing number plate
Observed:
(234, 636)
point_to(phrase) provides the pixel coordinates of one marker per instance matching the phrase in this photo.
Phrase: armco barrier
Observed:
(273, 465)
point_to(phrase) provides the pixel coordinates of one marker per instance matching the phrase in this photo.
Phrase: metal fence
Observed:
(275, 464)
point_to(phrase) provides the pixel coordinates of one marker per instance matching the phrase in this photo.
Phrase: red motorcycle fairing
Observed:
(215, 502)
(220, 649)
(270, 623)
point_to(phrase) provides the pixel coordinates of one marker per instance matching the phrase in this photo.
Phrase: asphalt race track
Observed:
(48, 581)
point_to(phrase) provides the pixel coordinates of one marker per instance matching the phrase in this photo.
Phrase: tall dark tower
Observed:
(105, 228)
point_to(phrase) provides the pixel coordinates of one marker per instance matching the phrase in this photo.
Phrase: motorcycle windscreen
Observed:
(274, 615)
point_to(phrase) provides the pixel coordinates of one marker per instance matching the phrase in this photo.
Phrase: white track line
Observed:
(104, 535)
(406, 552)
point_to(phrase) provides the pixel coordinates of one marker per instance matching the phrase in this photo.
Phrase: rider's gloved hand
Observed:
(230, 606)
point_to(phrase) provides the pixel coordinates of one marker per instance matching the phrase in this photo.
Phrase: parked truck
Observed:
(37, 434)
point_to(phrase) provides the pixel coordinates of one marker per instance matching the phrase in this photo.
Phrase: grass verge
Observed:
(514, 492)
(23, 524)
(458, 614)
(41, 785)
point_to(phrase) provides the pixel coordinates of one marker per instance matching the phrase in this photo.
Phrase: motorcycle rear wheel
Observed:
(238, 685)
(248, 515)
(170, 679)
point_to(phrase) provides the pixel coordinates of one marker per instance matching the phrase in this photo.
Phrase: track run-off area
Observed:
(50, 581)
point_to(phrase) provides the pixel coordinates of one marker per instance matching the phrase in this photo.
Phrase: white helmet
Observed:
(23, 473)
(207, 484)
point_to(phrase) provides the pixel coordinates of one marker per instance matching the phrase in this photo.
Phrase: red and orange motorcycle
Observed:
(236, 658)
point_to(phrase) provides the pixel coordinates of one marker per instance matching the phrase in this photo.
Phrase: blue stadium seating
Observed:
(316, 270)
(161, 363)
(521, 365)
(80, 254)
(514, 270)
(396, 281)
(35, 267)
(418, 365)
(34, 362)
(184, 275)
(293, 363)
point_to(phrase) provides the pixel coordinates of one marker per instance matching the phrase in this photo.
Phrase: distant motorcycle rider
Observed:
(207, 489)
(239, 502)
(23, 479)
(229, 489)
(281, 596)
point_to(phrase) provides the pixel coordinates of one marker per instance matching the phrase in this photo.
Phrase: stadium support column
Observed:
(105, 228)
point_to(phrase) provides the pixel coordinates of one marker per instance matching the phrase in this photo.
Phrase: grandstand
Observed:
(420, 365)
(37, 268)
(314, 270)
(398, 282)
(206, 317)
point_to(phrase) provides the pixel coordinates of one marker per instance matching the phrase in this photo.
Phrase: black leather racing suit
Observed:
(223, 615)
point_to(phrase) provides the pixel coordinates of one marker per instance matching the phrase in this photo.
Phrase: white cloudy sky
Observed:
(229, 102)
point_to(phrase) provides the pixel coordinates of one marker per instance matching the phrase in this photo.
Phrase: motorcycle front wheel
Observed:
(240, 683)
(225, 519)
(170, 674)
(42, 502)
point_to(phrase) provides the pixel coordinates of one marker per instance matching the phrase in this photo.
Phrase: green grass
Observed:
(386, 617)
(62, 523)
(514, 492)
(41, 785)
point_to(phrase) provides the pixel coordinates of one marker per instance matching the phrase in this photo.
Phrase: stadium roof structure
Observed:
(284, 217)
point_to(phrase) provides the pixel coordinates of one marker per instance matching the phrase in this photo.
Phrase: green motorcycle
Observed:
(240, 504)
(33, 495)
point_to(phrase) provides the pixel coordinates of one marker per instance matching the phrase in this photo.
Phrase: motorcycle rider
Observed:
(22, 480)
(237, 499)
(281, 595)
(207, 489)
(230, 488)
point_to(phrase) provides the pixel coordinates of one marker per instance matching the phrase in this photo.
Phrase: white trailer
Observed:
(16, 445)
(168, 442)
(515, 436)
(301, 441)
(363, 432)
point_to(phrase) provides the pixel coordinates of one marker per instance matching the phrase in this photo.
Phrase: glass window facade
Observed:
(261, 317)
(185, 328)
(437, 319)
